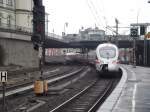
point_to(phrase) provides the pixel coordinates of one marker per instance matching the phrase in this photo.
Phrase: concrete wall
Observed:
(17, 51)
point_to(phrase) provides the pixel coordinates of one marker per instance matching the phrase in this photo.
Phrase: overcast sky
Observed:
(91, 13)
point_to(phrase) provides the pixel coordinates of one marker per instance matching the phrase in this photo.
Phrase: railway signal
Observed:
(38, 24)
(142, 30)
(38, 39)
(134, 32)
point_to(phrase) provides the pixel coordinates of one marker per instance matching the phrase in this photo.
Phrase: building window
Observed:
(1, 16)
(1, 1)
(9, 2)
(0, 21)
(9, 20)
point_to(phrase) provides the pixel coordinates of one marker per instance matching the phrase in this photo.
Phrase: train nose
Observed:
(105, 67)
(112, 67)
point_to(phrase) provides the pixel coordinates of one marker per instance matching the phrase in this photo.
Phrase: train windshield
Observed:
(107, 52)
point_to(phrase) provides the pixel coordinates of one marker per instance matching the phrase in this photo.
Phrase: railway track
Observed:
(16, 89)
(82, 79)
(25, 98)
(22, 81)
(89, 99)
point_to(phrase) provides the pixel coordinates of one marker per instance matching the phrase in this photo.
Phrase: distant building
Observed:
(71, 37)
(92, 34)
(17, 15)
(87, 34)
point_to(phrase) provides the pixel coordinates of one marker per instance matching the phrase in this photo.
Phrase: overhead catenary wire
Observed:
(97, 22)
(96, 12)
(102, 10)
(112, 30)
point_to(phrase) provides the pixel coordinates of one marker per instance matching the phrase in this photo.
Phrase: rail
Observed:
(84, 100)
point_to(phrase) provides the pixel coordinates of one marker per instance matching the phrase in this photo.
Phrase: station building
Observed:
(17, 15)
(16, 24)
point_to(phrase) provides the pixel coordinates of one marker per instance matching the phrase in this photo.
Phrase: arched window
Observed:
(1, 16)
(9, 2)
(9, 20)
(0, 21)
(1, 1)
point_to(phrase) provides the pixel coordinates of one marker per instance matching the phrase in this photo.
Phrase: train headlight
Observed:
(115, 62)
(98, 62)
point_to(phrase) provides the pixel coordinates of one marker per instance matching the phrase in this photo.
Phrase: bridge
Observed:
(94, 44)
(142, 46)
(12, 37)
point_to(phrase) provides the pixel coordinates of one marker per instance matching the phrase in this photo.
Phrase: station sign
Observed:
(3, 76)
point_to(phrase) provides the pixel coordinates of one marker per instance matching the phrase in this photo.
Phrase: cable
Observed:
(102, 11)
(92, 12)
(96, 13)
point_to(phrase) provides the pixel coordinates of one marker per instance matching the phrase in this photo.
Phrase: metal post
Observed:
(4, 101)
(125, 58)
(116, 40)
(43, 56)
(145, 52)
(134, 53)
(65, 25)
(87, 54)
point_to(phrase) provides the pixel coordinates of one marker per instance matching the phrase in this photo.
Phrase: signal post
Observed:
(38, 39)
(134, 35)
(143, 31)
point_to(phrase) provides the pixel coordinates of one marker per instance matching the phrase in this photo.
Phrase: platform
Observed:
(132, 94)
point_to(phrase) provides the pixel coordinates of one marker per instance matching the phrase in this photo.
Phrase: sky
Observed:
(90, 13)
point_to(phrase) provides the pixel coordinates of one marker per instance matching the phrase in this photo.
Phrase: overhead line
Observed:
(95, 10)
(92, 13)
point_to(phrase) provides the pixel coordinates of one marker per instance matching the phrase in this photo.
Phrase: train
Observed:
(104, 58)
(107, 55)
(75, 57)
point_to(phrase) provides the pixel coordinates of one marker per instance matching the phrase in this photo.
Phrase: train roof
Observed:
(106, 44)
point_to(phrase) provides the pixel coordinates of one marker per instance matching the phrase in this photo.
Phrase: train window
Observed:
(107, 52)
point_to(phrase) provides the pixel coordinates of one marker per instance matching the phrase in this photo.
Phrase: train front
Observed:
(107, 58)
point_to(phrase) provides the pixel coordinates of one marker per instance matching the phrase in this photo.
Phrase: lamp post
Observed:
(116, 40)
(65, 25)
(134, 52)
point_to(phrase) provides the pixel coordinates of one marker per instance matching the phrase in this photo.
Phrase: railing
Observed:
(9, 27)
(15, 28)
(52, 35)
(25, 30)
